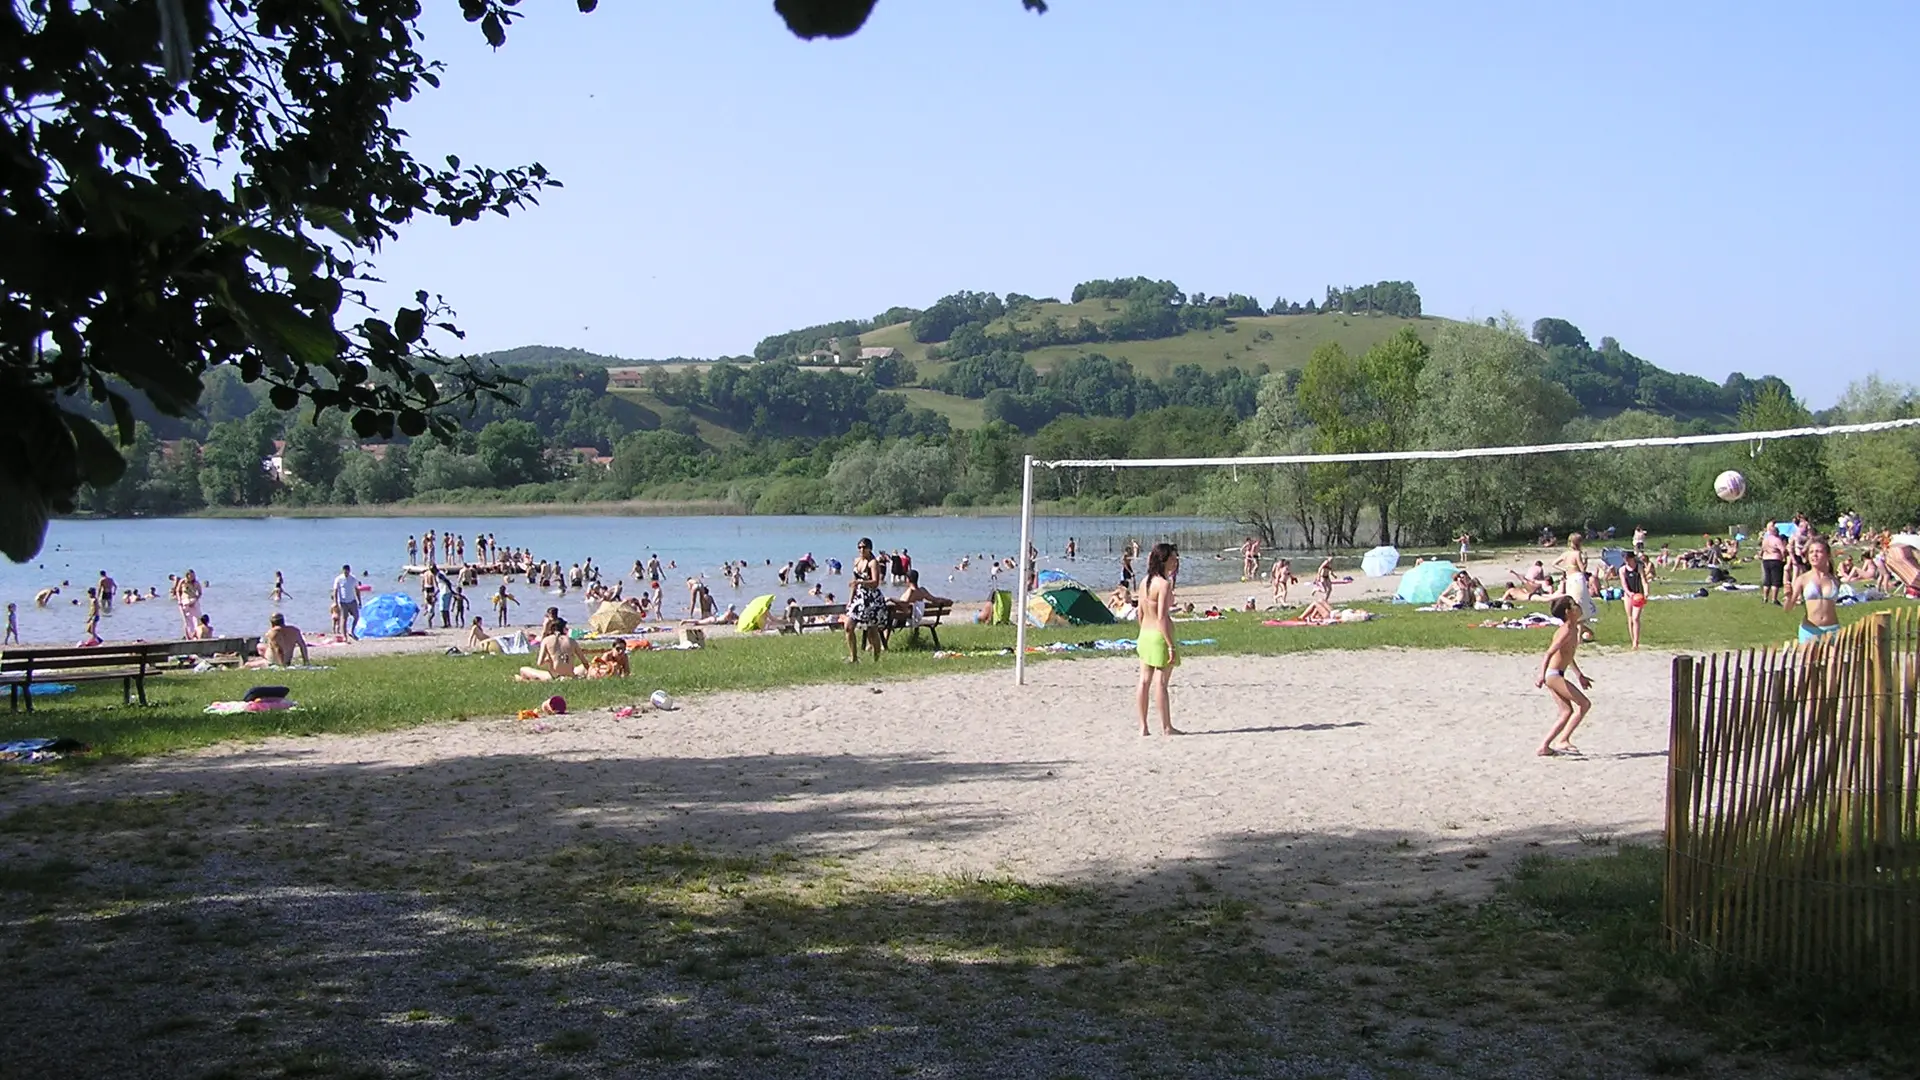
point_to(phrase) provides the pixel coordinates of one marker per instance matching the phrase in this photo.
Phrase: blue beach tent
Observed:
(1424, 583)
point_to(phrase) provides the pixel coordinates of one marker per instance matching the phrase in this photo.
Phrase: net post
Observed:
(1020, 588)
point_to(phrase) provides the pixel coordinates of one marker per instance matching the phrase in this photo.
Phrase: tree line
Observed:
(1493, 386)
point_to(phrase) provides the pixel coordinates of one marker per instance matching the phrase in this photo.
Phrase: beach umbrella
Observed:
(1380, 562)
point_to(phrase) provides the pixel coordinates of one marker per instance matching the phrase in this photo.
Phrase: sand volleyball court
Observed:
(1346, 771)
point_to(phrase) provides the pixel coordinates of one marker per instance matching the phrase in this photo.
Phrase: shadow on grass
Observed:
(302, 919)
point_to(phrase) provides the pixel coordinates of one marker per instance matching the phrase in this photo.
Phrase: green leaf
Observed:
(276, 323)
(100, 460)
(334, 221)
(291, 253)
(122, 416)
(284, 398)
(409, 324)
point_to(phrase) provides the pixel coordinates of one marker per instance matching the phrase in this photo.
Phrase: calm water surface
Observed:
(237, 559)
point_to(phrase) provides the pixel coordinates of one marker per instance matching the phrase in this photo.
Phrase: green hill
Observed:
(550, 355)
(1278, 341)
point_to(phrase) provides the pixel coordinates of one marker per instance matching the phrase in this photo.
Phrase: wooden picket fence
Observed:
(1793, 807)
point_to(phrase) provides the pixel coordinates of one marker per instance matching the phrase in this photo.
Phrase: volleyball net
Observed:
(1072, 552)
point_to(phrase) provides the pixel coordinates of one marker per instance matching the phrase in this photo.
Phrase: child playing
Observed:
(13, 626)
(1555, 667)
(500, 601)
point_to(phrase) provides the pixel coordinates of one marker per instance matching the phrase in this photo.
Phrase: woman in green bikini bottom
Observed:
(1155, 640)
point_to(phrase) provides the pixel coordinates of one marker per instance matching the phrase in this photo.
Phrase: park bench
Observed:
(131, 663)
(827, 616)
(929, 618)
(820, 616)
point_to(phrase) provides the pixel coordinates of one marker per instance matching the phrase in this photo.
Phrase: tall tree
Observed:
(1787, 476)
(1882, 468)
(191, 184)
(1486, 386)
(1391, 371)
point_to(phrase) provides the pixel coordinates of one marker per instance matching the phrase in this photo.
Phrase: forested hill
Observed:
(1002, 350)
(936, 406)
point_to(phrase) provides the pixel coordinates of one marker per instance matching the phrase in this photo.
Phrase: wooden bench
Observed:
(820, 616)
(930, 615)
(899, 617)
(131, 663)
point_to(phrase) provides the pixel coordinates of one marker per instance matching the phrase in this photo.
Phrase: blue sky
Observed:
(1722, 187)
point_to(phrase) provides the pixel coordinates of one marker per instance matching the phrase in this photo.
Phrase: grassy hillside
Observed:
(900, 336)
(962, 413)
(1278, 341)
(652, 411)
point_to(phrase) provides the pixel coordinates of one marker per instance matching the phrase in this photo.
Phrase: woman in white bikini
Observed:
(1573, 562)
(1819, 590)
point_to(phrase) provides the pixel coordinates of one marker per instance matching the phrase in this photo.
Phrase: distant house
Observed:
(626, 378)
(885, 352)
(379, 450)
(820, 356)
(276, 466)
(591, 455)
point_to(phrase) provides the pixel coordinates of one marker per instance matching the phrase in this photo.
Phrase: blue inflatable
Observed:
(1424, 583)
(386, 615)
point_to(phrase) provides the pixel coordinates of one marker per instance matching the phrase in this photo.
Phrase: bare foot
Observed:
(1170, 730)
(1548, 751)
(1569, 748)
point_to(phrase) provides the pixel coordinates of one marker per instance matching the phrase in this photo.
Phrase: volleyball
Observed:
(1730, 486)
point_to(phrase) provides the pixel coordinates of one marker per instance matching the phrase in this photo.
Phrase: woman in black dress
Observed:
(866, 606)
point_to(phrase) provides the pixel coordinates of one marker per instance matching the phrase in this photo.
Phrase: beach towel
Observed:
(222, 708)
(1536, 621)
(39, 751)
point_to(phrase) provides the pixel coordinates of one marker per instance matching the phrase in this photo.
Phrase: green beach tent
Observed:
(1067, 605)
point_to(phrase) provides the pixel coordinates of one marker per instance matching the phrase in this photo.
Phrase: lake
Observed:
(237, 559)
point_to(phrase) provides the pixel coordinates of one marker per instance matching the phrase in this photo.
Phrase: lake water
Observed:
(237, 559)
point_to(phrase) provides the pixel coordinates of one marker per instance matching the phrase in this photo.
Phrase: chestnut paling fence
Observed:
(1793, 807)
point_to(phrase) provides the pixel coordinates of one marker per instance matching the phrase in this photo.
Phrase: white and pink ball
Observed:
(1730, 486)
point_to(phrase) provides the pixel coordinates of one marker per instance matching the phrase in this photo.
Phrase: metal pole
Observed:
(1020, 590)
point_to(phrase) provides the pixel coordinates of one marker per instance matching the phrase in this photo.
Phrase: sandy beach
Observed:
(1336, 774)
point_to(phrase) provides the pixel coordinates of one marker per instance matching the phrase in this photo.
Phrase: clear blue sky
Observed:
(1721, 187)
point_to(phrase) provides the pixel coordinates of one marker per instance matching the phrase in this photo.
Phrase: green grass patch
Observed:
(1608, 908)
(963, 413)
(1278, 341)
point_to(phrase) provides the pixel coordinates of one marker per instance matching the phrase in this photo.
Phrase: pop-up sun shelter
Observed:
(1066, 603)
(1424, 583)
(754, 616)
(386, 615)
